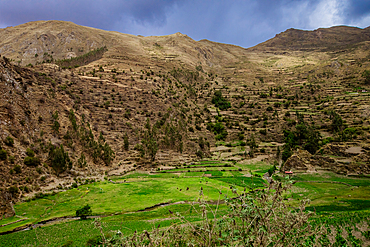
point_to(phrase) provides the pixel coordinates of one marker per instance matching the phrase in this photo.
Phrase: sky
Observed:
(240, 22)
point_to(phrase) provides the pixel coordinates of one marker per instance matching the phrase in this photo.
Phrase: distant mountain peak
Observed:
(321, 38)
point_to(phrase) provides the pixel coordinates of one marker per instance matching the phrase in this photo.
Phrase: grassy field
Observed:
(330, 192)
(331, 195)
(140, 191)
(80, 231)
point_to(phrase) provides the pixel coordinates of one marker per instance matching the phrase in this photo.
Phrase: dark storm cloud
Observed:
(240, 22)
(357, 9)
(99, 13)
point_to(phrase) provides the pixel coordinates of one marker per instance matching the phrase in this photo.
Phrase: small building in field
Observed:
(289, 172)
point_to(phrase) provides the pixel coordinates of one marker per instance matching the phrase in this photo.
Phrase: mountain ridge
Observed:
(321, 38)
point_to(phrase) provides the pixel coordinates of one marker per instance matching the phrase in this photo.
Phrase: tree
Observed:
(313, 140)
(108, 154)
(126, 143)
(150, 140)
(81, 162)
(337, 122)
(290, 143)
(220, 101)
(84, 212)
(218, 129)
(59, 159)
(366, 76)
(252, 145)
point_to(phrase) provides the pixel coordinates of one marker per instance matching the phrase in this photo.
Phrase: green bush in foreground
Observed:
(259, 218)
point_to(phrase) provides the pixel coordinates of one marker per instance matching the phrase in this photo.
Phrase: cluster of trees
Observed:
(83, 59)
(218, 129)
(166, 133)
(366, 76)
(149, 146)
(219, 101)
(172, 136)
(184, 74)
(97, 149)
(309, 138)
(341, 131)
(304, 135)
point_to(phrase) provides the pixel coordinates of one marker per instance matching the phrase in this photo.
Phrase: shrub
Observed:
(263, 95)
(9, 141)
(31, 161)
(13, 190)
(12, 159)
(84, 212)
(17, 169)
(3, 154)
(94, 241)
(39, 170)
(30, 152)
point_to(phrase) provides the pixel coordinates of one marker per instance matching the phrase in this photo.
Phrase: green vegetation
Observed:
(143, 190)
(59, 159)
(83, 59)
(304, 135)
(220, 101)
(3, 154)
(9, 141)
(31, 161)
(218, 129)
(84, 212)
(150, 140)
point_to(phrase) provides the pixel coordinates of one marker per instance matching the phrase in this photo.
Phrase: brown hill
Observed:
(46, 40)
(322, 38)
